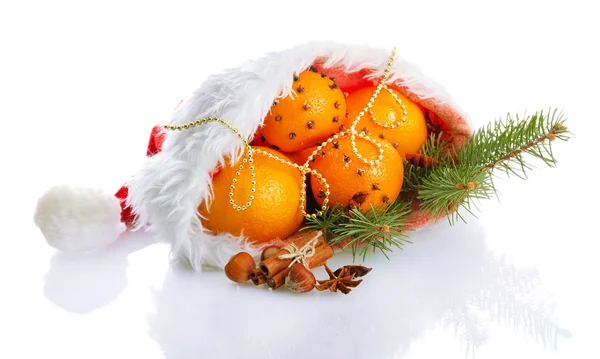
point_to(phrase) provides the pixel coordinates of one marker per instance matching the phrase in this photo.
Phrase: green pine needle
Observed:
(376, 229)
(436, 148)
(461, 179)
(500, 145)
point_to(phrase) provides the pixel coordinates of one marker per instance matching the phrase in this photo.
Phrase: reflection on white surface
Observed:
(447, 276)
(84, 283)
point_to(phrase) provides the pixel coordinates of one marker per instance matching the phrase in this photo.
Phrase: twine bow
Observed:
(300, 255)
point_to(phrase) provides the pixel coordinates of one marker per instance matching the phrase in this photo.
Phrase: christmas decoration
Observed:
(393, 118)
(240, 267)
(311, 114)
(325, 147)
(342, 279)
(351, 182)
(300, 279)
(267, 193)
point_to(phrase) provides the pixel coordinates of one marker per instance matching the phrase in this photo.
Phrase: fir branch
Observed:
(499, 145)
(376, 229)
(502, 144)
(437, 149)
(459, 180)
(446, 189)
(327, 223)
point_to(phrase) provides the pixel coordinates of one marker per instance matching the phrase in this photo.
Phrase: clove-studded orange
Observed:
(409, 136)
(314, 110)
(275, 209)
(300, 157)
(259, 140)
(354, 183)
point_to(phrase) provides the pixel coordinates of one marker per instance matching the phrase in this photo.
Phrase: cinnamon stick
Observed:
(270, 251)
(278, 279)
(255, 273)
(322, 254)
(259, 279)
(273, 265)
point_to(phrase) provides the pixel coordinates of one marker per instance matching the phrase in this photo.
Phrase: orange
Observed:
(300, 157)
(275, 211)
(353, 182)
(259, 140)
(410, 136)
(313, 112)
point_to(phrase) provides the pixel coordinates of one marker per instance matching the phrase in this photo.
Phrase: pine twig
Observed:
(550, 136)
(458, 179)
(500, 145)
(437, 150)
(376, 229)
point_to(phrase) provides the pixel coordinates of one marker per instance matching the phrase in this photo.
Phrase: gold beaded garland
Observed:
(305, 168)
(248, 159)
(368, 108)
(352, 130)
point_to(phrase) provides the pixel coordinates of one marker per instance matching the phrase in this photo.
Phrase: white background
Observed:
(82, 83)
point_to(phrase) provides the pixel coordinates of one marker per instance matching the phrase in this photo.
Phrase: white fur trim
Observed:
(78, 219)
(167, 190)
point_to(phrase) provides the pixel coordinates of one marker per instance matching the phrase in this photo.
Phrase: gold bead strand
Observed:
(383, 85)
(324, 183)
(248, 157)
(206, 120)
(250, 160)
(303, 171)
(380, 86)
(399, 102)
(368, 108)
(321, 146)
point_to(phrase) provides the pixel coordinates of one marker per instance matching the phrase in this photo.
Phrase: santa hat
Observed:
(162, 197)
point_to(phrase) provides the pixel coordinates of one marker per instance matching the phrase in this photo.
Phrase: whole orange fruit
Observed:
(300, 157)
(259, 140)
(410, 136)
(352, 182)
(274, 212)
(313, 112)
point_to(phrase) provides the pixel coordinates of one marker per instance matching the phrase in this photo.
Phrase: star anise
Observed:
(342, 280)
(359, 271)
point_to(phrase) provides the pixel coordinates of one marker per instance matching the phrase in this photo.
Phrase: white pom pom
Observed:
(78, 219)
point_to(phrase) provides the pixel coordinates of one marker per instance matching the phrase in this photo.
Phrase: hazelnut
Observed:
(240, 267)
(300, 279)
